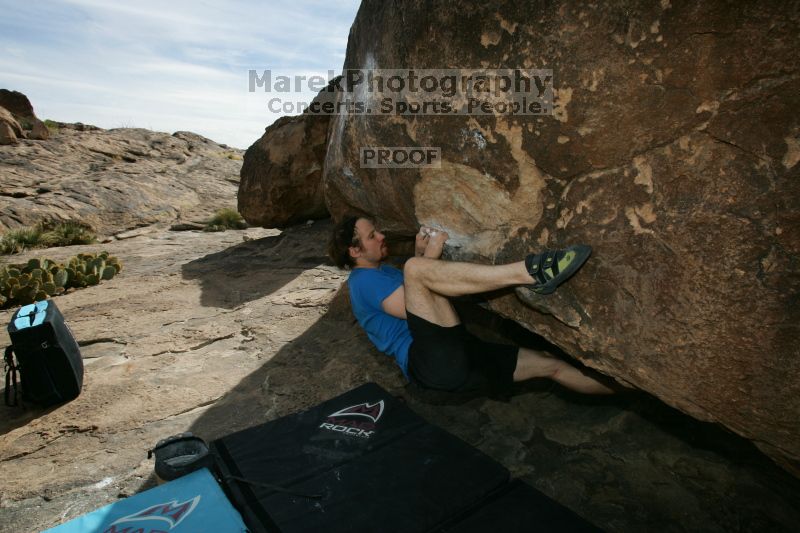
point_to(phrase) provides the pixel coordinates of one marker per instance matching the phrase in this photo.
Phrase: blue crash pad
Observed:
(189, 504)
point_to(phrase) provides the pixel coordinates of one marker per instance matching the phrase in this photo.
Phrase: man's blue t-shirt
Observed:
(369, 287)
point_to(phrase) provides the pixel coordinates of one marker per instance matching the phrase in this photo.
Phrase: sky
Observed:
(169, 66)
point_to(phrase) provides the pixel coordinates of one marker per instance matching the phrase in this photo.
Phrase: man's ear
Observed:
(355, 251)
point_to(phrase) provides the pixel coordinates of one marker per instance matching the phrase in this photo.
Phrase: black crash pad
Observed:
(363, 461)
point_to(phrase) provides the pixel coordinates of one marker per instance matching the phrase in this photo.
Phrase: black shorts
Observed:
(453, 359)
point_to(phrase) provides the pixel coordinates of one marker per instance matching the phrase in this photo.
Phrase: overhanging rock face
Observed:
(673, 149)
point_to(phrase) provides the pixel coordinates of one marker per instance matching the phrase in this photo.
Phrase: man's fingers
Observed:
(439, 239)
(428, 232)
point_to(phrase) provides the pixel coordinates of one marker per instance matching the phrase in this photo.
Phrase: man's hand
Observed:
(435, 244)
(421, 241)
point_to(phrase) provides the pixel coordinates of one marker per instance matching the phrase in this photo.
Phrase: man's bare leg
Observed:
(450, 278)
(533, 364)
(429, 283)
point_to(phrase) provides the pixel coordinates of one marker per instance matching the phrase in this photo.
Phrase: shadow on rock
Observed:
(257, 268)
(331, 357)
(20, 415)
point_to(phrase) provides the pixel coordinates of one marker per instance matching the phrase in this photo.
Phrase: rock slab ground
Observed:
(215, 332)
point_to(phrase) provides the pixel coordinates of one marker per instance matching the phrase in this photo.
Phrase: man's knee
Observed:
(416, 267)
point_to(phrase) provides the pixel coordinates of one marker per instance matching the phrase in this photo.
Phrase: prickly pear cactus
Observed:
(39, 279)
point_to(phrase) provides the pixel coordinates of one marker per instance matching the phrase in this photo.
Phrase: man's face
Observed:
(372, 249)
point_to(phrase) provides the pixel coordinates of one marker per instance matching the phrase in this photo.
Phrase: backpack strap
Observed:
(11, 377)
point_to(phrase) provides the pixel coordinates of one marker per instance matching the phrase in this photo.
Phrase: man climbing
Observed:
(407, 314)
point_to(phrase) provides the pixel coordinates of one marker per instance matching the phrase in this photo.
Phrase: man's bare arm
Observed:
(395, 303)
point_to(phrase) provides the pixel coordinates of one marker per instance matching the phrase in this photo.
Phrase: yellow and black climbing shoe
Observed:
(551, 268)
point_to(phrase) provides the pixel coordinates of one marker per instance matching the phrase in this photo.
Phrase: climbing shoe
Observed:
(551, 268)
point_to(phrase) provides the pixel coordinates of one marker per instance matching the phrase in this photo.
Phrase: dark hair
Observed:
(342, 238)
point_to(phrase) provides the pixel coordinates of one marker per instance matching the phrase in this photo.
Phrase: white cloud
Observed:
(166, 65)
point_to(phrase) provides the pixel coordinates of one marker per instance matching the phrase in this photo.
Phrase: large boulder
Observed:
(673, 150)
(281, 177)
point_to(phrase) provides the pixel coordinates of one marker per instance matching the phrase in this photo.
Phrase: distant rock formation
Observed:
(281, 178)
(16, 103)
(673, 150)
(115, 180)
(10, 130)
(22, 110)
